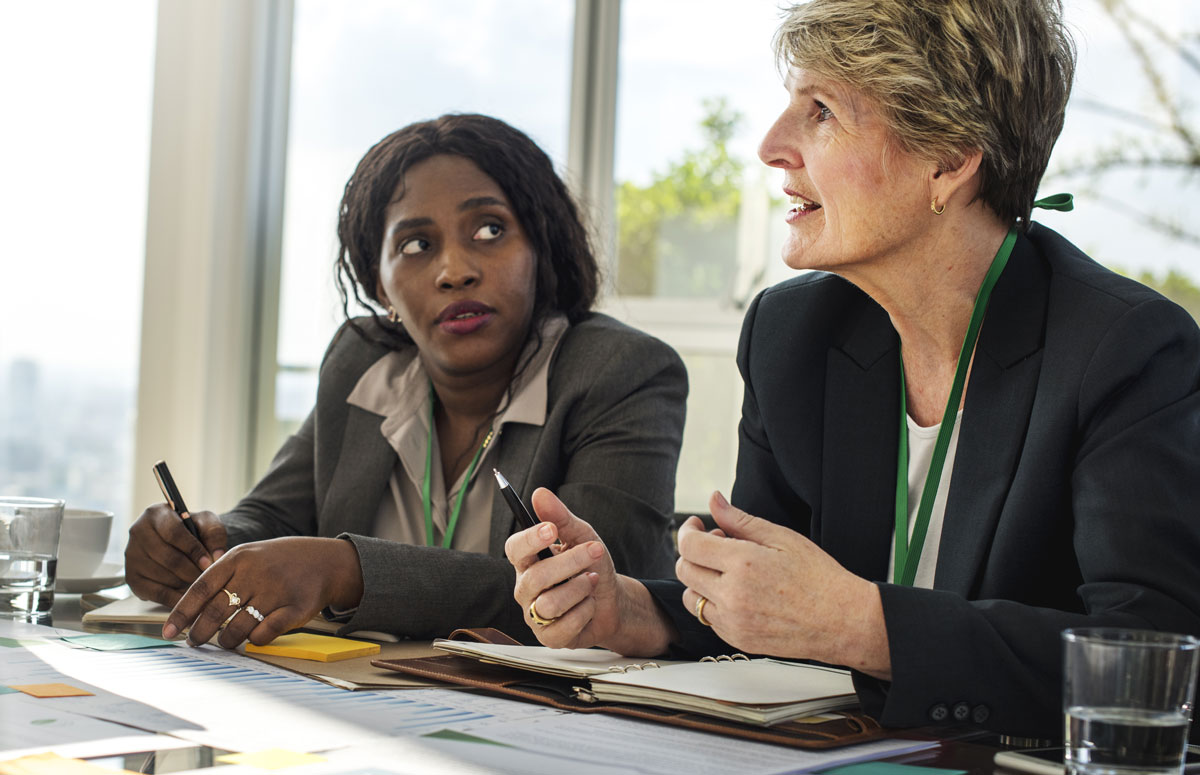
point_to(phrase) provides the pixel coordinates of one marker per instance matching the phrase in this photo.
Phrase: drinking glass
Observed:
(1127, 700)
(29, 530)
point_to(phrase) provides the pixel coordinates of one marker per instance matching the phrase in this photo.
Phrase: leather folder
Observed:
(844, 728)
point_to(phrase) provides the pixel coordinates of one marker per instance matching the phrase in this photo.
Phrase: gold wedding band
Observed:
(538, 620)
(234, 600)
(703, 601)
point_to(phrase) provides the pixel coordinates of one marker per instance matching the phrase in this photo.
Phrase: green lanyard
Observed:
(908, 551)
(427, 485)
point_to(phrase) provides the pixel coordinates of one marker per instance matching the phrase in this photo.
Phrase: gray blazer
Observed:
(608, 448)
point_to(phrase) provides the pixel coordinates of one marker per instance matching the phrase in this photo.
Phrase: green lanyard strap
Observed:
(1061, 202)
(908, 552)
(427, 484)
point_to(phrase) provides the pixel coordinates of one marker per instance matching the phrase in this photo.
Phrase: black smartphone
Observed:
(1049, 761)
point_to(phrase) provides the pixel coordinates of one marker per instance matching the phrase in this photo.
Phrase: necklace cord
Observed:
(427, 482)
(908, 551)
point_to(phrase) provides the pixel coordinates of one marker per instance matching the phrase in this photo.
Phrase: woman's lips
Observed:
(464, 317)
(801, 207)
(465, 325)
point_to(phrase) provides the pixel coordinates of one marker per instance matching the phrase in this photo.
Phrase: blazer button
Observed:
(962, 711)
(980, 714)
(939, 712)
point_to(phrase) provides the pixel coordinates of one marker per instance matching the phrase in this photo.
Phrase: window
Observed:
(74, 148)
(699, 217)
(1130, 148)
(696, 84)
(363, 70)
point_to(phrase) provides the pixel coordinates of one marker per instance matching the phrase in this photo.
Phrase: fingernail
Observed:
(595, 550)
(204, 562)
(545, 532)
(720, 499)
(218, 554)
(594, 578)
(170, 631)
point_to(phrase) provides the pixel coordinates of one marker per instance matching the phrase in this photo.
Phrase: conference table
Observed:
(958, 749)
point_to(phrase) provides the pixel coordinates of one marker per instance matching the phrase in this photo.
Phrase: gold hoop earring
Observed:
(933, 206)
(392, 316)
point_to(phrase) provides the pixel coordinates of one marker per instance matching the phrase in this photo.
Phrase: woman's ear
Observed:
(956, 175)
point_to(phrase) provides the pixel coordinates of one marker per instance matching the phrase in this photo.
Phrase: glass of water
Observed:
(1127, 699)
(29, 530)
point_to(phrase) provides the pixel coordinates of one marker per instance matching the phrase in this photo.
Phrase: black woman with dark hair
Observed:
(480, 351)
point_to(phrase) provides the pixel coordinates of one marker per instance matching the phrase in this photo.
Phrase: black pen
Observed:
(167, 484)
(524, 518)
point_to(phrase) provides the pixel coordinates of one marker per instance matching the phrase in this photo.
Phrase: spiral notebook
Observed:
(788, 703)
(752, 691)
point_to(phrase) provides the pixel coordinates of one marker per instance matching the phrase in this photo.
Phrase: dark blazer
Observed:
(1074, 499)
(608, 448)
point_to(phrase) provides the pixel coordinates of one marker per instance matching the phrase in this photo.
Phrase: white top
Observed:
(921, 442)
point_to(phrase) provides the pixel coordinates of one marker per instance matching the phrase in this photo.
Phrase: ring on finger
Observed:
(703, 601)
(234, 600)
(537, 619)
(254, 612)
(229, 618)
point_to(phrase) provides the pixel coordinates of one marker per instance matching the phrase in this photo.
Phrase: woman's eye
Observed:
(823, 112)
(488, 231)
(413, 246)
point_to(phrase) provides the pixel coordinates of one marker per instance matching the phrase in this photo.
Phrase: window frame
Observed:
(206, 389)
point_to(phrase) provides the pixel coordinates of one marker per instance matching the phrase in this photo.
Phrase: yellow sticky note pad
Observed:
(321, 648)
(53, 764)
(51, 690)
(271, 758)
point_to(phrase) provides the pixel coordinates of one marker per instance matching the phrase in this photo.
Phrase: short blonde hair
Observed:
(951, 76)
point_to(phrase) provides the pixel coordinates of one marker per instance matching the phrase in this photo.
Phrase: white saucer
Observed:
(109, 574)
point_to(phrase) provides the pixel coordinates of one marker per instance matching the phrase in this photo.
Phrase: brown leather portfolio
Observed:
(836, 729)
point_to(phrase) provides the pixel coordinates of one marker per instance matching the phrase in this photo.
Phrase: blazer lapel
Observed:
(1003, 382)
(361, 476)
(862, 414)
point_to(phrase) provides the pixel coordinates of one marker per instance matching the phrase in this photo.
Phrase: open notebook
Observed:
(750, 691)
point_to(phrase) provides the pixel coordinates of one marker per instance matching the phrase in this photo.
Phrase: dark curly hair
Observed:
(567, 273)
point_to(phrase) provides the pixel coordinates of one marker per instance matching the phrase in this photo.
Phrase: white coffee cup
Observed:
(83, 542)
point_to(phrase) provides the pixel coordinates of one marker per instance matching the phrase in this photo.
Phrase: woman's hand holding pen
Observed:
(578, 590)
(163, 558)
(262, 589)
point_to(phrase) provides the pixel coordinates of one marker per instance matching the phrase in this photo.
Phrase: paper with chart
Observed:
(225, 700)
(665, 750)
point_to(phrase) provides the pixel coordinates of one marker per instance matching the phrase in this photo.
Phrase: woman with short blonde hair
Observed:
(961, 435)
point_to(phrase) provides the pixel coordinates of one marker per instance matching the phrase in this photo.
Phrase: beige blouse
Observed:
(400, 392)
